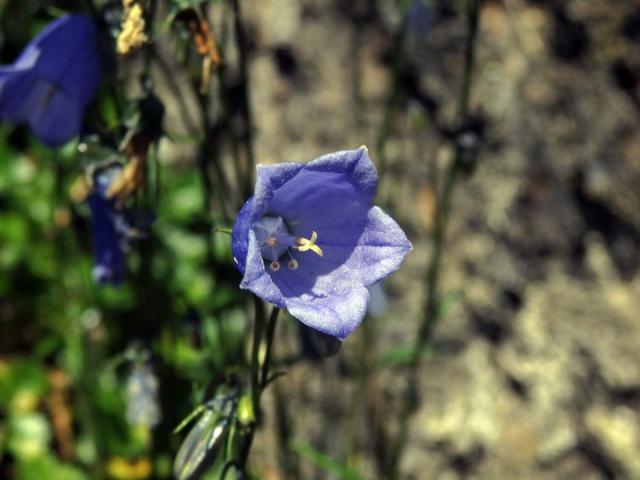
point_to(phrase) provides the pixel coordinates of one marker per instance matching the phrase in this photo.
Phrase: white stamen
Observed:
(293, 264)
(274, 266)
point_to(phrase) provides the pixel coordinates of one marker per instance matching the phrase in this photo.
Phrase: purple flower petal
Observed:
(342, 182)
(256, 278)
(53, 80)
(112, 227)
(380, 249)
(310, 240)
(270, 178)
(68, 56)
(240, 235)
(337, 314)
(57, 120)
(109, 257)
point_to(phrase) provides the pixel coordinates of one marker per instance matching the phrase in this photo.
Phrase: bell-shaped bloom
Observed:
(311, 241)
(49, 86)
(114, 227)
(109, 229)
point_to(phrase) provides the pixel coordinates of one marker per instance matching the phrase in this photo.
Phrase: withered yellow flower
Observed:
(132, 35)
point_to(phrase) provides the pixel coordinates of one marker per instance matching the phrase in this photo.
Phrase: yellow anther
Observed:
(304, 244)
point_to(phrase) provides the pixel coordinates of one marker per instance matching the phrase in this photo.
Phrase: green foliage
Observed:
(403, 354)
(324, 462)
(179, 299)
(48, 467)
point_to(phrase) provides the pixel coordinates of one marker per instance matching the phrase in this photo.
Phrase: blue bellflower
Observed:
(311, 241)
(49, 86)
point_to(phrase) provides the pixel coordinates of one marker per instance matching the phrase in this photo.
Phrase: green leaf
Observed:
(397, 356)
(449, 301)
(48, 467)
(402, 354)
(324, 462)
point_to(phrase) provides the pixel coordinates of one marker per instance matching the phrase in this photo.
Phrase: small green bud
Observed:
(246, 415)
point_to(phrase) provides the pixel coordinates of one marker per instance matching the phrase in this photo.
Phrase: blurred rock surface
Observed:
(536, 372)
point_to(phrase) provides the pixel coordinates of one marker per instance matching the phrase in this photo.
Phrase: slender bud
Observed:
(206, 439)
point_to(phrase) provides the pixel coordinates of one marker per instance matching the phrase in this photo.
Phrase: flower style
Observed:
(311, 241)
(49, 86)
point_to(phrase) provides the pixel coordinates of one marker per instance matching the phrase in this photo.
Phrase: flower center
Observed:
(275, 242)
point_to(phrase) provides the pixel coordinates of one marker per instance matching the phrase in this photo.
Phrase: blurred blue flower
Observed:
(109, 228)
(49, 86)
(113, 227)
(311, 241)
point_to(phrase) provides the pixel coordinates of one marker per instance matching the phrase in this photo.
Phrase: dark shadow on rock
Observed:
(621, 237)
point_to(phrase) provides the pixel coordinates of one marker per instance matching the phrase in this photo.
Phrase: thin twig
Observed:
(271, 330)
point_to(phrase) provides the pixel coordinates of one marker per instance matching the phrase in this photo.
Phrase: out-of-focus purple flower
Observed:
(49, 86)
(311, 241)
(107, 224)
(113, 227)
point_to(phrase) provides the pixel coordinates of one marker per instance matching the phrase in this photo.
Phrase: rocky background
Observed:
(534, 372)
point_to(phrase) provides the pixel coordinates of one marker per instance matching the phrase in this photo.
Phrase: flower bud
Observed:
(142, 397)
(206, 439)
(318, 345)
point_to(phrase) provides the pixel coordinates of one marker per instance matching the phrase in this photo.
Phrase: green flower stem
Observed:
(398, 53)
(225, 230)
(259, 372)
(258, 333)
(241, 43)
(284, 430)
(441, 221)
(271, 330)
(226, 117)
